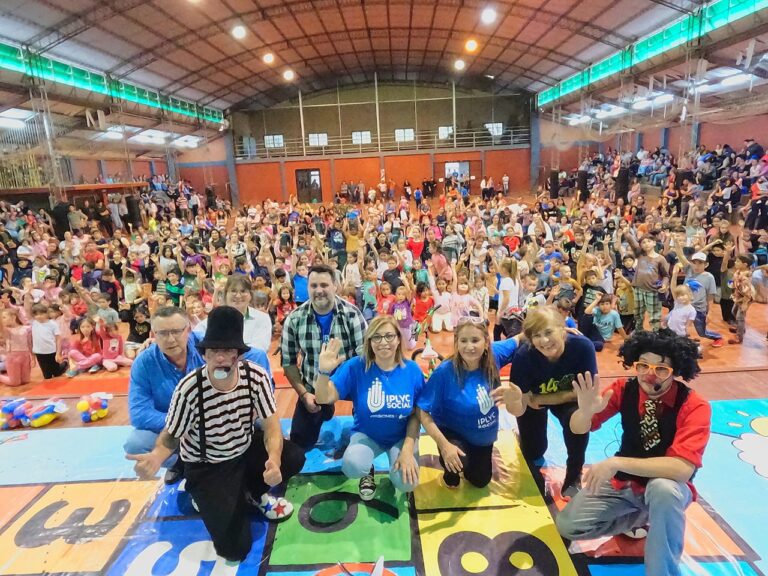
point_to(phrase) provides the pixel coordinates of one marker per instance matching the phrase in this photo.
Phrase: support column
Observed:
(378, 121)
(152, 168)
(453, 102)
(638, 140)
(234, 189)
(170, 160)
(283, 182)
(665, 138)
(303, 133)
(535, 151)
(695, 134)
(103, 169)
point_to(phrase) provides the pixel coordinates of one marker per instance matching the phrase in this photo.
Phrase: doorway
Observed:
(308, 186)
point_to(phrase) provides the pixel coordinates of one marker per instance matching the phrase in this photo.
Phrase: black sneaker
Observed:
(571, 487)
(367, 487)
(451, 479)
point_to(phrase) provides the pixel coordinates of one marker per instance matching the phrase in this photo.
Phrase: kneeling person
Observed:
(228, 463)
(665, 430)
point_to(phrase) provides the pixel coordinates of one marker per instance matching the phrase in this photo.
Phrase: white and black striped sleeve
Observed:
(182, 413)
(261, 387)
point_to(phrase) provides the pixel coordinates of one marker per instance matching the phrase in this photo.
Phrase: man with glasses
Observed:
(154, 376)
(665, 431)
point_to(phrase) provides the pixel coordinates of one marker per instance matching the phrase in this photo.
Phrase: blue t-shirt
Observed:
(468, 410)
(532, 372)
(325, 321)
(382, 401)
(300, 290)
(606, 324)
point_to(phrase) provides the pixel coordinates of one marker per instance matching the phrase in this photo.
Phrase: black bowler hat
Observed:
(225, 330)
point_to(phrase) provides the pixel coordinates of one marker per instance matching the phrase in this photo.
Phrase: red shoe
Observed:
(717, 343)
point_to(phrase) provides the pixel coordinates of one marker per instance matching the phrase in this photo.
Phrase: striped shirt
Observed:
(228, 417)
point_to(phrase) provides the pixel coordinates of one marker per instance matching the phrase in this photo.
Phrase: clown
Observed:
(666, 427)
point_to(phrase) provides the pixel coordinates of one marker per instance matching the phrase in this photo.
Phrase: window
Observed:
(320, 139)
(273, 141)
(495, 128)
(404, 135)
(444, 132)
(363, 137)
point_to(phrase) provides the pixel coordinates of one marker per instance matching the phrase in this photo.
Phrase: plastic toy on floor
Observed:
(8, 421)
(94, 406)
(39, 415)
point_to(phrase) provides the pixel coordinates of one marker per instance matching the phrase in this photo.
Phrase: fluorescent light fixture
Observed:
(641, 104)
(736, 79)
(488, 16)
(289, 75)
(112, 135)
(268, 58)
(11, 123)
(17, 114)
(663, 99)
(239, 32)
(610, 112)
(471, 45)
(490, 76)
(579, 119)
(459, 65)
(724, 72)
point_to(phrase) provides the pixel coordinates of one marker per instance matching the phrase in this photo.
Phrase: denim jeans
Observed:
(612, 511)
(142, 442)
(700, 323)
(362, 451)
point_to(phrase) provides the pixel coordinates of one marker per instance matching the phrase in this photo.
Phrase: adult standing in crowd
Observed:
(306, 329)
(229, 461)
(544, 368)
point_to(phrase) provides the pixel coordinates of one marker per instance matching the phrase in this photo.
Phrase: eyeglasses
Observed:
(661, 371)
(166, 333)
(389, 338)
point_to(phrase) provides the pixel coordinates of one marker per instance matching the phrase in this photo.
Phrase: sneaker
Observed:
(451, 479)
(367, 487)
(175, 473)
(735, 341)
(94, 369)
(717, 343)
(570, 488)
(274, 508)
(72, 372)
(637, 533)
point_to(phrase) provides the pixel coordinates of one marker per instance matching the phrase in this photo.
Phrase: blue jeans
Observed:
(142, 442)
(362, 451)
(700, 323)
(612, 511)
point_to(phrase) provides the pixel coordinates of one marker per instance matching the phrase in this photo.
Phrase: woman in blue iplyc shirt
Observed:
(384, 389)
(461, 399)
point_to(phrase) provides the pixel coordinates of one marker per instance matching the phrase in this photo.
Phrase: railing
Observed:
(516, 137)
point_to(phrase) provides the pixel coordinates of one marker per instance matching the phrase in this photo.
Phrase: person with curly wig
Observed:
(645, 488)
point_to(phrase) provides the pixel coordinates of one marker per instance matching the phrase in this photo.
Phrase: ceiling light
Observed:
(268, 58)
(488, 16)
(490, 76)
(11, 123)
(736, 79)
(663, 99)
(609, 112)
(112, 135)
(239, 31)
(579, 119)
(289, 75)
(641, 104)
(459, 65)
(471, 45)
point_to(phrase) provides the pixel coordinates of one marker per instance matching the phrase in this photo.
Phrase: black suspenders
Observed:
(201, 412)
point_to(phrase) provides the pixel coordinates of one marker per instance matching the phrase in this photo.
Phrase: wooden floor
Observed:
(730, 372)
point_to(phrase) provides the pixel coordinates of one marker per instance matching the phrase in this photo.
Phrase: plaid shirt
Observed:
(302, 335)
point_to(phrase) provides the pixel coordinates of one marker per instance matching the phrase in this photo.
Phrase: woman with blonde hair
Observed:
(545, 367)
(461, 399)
(385, 390)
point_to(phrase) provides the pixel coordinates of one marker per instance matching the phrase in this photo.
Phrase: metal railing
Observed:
(511, 137)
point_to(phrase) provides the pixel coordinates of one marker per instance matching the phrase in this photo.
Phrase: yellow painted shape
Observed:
(514, 484)
(89, 556)
(760, 425)
(434, 528)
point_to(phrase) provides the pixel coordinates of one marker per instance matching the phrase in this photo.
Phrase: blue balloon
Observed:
(694, 285)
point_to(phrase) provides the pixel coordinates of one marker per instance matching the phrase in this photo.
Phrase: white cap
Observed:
(699, 256)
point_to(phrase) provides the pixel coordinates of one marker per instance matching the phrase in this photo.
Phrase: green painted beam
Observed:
(692, 27)
(26, 62)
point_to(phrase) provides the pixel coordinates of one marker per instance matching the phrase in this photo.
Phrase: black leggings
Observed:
(533, 437)
(477, 463)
